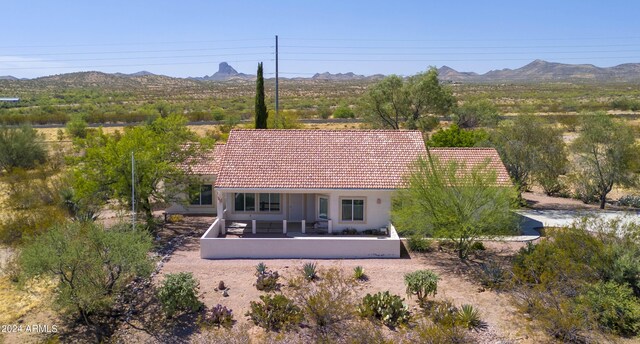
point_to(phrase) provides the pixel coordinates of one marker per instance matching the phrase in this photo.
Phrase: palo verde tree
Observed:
(92, 265)
(454, 201)
(261, 108)
(163, 149)
(395, 103)
(606, 155)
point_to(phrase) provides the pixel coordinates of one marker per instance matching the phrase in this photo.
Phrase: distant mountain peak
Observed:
(226, 72)
(540, 70)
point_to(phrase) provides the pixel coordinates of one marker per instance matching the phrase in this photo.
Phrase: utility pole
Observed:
(133, 192)
(277, 104)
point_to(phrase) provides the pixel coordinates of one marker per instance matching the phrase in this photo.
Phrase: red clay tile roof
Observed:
(208, 163)
(475, 156)
(318, 159)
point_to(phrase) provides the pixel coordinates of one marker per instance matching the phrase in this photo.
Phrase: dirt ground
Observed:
(503, 323)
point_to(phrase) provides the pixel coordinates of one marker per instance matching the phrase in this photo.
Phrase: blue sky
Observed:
(189, 38)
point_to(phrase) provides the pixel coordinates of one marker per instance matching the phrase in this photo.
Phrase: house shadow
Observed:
(529, 226)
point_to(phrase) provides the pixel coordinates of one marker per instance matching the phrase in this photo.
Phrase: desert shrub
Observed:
(268, 281)
(454, 136)
(492, 275)
(309, 270)
(218, 316)
(275, 313)
(388, 308)
(343, 112)
(468, 317)
(327, 304)
(428, 333)
(175, 218)
(178, 293)
(358, 273)
(418, 243)
(614, 307)
(21, 147)
(234, 335)
(261, 268)
(477, 246)
(630, 201)
(558, 285)
(77, 127)
(477, 112)
(422, 283)
(92, 265)
(442, 313)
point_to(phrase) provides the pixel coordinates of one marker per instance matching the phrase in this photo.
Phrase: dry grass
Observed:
(17, 302)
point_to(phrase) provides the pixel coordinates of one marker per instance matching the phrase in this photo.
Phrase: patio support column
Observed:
(284, 226)
(330, 226)
(219, 204)
(304, 226)
(223, 227)
(253, 226)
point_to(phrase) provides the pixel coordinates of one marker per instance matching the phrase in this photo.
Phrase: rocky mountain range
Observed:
(536, 71)
(543, 71)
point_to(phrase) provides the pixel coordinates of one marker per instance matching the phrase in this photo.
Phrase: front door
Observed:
(296, 207)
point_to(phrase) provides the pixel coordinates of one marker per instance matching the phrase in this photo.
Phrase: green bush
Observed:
(454, 136)
(389, 309)
(219, 316)
(442, 313)
(91, 265)
(21, 148)
(275, 313)
(343, 112)
(477, 246)
(327, 304)
(614, 306)
(630, 201)
(178, 292)
(418, 243)
(77, 127)
(268, 281)
(422, 283)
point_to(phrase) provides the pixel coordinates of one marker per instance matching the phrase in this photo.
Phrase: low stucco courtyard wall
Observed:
(300, 246)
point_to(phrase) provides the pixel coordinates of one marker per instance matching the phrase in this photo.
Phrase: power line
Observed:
(136, 58)
(462, 40)
(456, 60)
(457, 47)
(125, 65)
(145, 51)
(465, 53)
(131, 43)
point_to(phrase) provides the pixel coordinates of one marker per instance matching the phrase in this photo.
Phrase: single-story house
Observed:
(310, 185)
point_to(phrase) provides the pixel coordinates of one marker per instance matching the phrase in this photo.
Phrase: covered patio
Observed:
(270, 240)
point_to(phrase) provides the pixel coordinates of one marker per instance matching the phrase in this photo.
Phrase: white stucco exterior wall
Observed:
(376, 213)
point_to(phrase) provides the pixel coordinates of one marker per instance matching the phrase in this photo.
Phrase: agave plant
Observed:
(468, 317)
(358, 273)
(309, 271)
(261, 268)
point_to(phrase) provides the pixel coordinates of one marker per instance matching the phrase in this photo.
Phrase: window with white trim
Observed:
(245, 202)
(201, 195)
(352, 209)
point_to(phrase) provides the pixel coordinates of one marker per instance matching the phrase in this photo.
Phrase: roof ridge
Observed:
(334, 130)
(460, 148)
